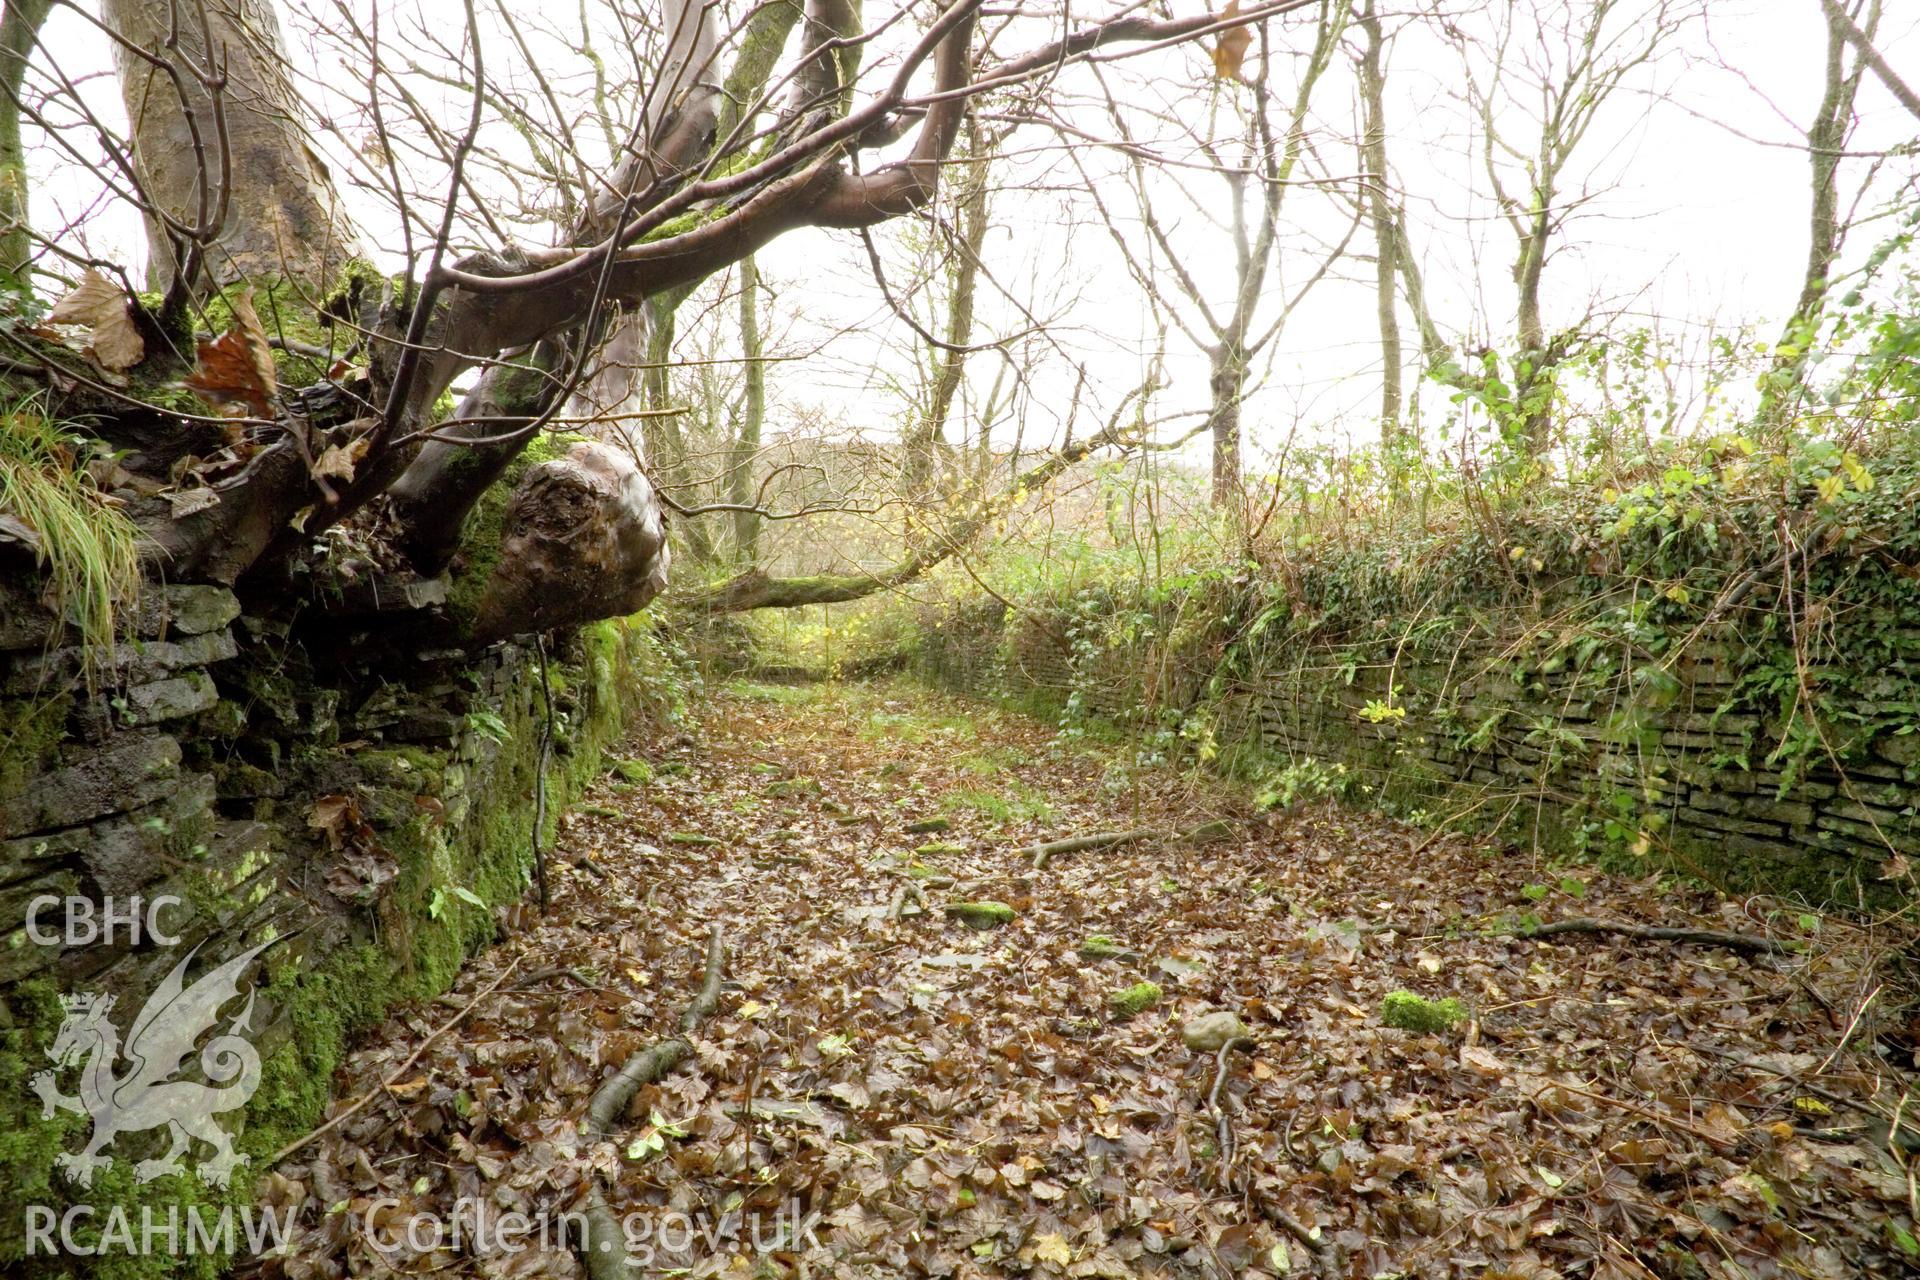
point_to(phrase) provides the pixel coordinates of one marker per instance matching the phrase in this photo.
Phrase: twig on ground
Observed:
(360, 1103)
(1747, 942)
(1222, 1122)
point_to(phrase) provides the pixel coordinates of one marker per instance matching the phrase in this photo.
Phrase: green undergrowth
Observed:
(87, 547)
(1729, 610)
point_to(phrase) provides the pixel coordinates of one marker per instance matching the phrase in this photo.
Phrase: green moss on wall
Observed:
(324, 989)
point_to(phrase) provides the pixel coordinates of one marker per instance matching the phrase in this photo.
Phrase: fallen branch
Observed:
(1751, 943)
(1043, 853)
(360, 1103)
(603, 1244)
(1223, 1123)
(1312, 1237)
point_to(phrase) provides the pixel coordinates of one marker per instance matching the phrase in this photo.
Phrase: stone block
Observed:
(184, 609)
(125, 774)
(124, 855)
(1902, 749)
(186, 694)
(132, 662)
(1727, 824)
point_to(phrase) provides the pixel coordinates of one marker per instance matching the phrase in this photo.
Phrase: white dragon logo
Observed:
(147, 1096)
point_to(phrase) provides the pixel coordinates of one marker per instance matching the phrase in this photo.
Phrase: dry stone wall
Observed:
(345, 790)
(1484, 731)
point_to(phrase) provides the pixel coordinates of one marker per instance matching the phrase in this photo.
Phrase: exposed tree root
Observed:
(907, 892)
(1751, 943)
(1042, 854)
(603, 1246)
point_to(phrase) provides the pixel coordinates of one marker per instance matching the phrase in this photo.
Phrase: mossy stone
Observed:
(1137, 998)
(981, 915)
(1405, 1011)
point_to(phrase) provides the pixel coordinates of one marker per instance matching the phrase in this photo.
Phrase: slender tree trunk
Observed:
(1533, 385)
(753, 415)
(233, 190)
(673, 454)
(1826, 139)
(1386, 235)
(1227, 384)
(929, 438)
(19, 33)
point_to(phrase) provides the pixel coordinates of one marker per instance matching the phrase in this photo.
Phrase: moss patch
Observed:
(1137, 998)
(1405, 1011)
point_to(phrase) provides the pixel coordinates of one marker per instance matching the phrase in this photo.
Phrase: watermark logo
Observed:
(147, 1094)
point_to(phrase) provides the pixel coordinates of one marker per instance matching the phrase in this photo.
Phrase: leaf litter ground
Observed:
(887, 1092)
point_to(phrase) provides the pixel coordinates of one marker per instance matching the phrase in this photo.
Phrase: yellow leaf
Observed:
(1232, 49)
(1053, 1247)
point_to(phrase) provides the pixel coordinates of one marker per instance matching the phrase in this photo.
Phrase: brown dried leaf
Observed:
(1233, 46)
(235, 371)
(337, 462)
(99, 304)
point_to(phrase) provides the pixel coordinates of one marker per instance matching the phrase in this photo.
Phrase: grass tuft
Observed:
(87, 545)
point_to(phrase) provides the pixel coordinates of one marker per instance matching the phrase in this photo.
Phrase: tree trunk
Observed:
(431, 500)
(1226, 384)
(929, 437)
(1533, 382)
(1826, 139)
(233, 190)
(19, 33)
(753, 415)
(1386, 240)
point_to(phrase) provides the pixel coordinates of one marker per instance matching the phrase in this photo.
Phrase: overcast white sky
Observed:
(1698, 226)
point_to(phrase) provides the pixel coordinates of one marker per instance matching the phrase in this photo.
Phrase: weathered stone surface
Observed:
(427, 724)
(24, 622)
(1900, 749)
(123, 856)
(169, 699)
(184, 609)
(123, 775)
(238, 780)
(133, 662)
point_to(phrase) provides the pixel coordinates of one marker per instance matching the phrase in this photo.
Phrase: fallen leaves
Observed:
(234, 372)
(961, 1104)
(104, 310)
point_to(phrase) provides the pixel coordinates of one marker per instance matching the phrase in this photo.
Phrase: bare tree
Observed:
(1257, 165)
(1826, 140)
(698, 183)
(1535, 81)
(1381, 217)
(753, 416)
(1840, 19)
